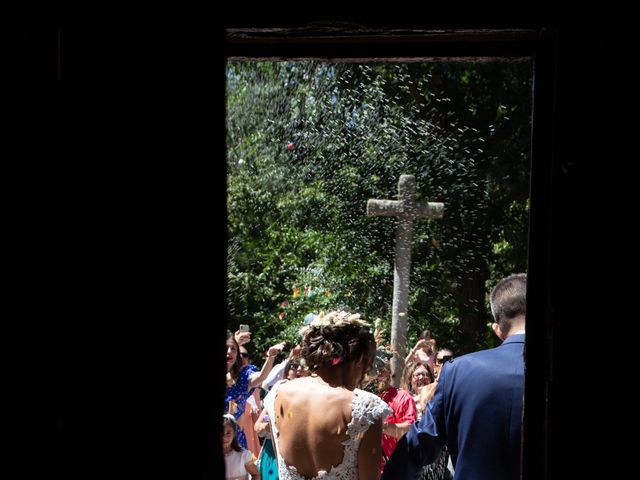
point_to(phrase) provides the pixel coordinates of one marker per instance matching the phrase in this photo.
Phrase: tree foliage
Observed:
(308, 143)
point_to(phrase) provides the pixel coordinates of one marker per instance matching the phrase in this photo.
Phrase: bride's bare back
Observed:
(312, 418)
(322, 423)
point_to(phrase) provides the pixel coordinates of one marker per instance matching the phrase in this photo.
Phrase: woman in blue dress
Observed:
(242, 381)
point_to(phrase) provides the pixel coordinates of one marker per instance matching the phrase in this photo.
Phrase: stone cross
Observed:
(406, 208)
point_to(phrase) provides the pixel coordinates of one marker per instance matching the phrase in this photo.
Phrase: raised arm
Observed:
(262, 425)
(419, 344)
(277, 372)
(258, 377)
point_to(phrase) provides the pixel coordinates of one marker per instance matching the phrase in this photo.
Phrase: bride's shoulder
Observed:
(366, 397)
(370, 405)
(304, 386)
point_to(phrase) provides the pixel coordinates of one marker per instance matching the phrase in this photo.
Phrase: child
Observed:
(238, 461)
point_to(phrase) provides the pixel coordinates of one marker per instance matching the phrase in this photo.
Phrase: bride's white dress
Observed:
(366, 409)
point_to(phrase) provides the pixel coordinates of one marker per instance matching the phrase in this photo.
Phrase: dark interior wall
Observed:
(113, 216)
(593, 201)
(115, 221)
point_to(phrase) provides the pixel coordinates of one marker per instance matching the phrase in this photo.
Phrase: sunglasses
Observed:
(443, 359)
(244, 355)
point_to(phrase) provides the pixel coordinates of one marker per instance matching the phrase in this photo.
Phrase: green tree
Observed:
(309, 143)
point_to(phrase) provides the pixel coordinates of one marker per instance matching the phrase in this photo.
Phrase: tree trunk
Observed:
(470, 300)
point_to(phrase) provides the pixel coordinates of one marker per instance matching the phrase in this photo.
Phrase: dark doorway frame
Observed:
(349, 42)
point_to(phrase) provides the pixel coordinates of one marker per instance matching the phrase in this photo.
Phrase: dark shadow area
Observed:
(114, 211)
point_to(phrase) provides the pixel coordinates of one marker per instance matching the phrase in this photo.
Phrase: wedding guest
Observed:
(238, 461)
(241, 380)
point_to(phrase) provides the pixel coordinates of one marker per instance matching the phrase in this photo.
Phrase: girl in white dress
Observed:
(322, 425)
(238, 462)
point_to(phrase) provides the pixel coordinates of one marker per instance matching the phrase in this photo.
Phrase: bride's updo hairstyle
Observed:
(337, 337)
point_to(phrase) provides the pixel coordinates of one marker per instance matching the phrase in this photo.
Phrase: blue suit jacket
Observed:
(476, 412)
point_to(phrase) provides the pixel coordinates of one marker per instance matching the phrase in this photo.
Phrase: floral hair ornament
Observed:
(335, 361)
(334, 318)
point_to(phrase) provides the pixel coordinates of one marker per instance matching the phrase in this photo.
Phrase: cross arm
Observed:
(429, 209)
(384, 208)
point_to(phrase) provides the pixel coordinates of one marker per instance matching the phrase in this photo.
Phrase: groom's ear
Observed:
(497, 330)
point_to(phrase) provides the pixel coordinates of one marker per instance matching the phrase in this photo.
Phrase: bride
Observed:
(322, 425)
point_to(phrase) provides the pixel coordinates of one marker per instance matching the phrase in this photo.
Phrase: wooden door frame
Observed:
(335, 42)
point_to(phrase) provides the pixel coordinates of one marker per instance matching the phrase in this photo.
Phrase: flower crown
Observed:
(335, 318)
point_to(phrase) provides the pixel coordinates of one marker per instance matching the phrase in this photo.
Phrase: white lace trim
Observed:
(366, 409)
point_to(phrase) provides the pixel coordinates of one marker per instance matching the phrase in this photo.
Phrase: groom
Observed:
(477, 408)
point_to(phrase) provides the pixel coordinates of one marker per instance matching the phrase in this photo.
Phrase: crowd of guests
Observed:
(329, 409)
(252, 446)
(244, 406)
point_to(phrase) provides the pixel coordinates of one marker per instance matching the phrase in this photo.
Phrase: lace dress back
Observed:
(366, 409)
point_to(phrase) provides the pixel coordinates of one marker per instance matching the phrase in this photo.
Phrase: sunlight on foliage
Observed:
(309, 142)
